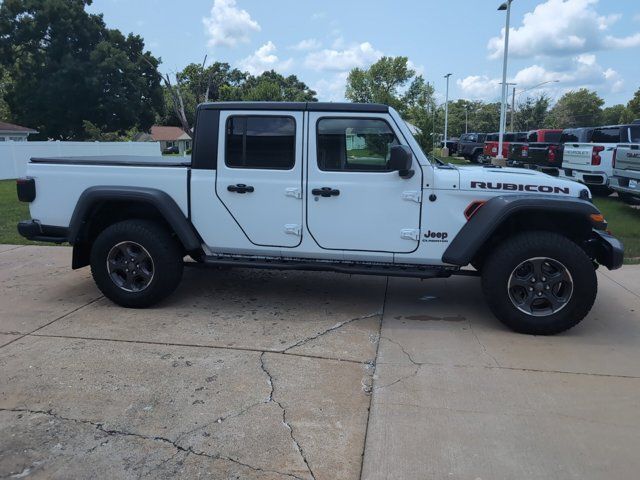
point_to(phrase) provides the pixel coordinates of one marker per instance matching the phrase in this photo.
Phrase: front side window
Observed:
(260, 142)
(354, 144)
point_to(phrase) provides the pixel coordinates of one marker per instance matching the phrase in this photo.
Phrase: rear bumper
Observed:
(33, 230)
(607, 249)
(624, 183)
(586, 177)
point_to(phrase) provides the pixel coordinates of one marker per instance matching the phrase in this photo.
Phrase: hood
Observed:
(518, 180)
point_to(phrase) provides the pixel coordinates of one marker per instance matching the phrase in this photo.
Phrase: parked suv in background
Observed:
(470, 146)
(492, 141)
(538, 152)
(626, 173)
(592, 163)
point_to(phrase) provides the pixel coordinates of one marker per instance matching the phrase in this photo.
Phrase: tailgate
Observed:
(577, 155)
(628, 158)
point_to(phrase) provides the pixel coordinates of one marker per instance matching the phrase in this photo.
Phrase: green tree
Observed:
(392, 82)
(5, 81)
(580, 108)
(67, 67)
(615, 115)
(634, 106)
(532, 113)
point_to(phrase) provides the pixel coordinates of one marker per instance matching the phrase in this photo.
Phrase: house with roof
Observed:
(15, 133)
(172, 139)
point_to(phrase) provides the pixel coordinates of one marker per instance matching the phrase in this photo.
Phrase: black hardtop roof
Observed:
(298, 106)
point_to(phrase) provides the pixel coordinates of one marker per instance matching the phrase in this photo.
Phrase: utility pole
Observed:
(499, 160)
(513, 109)
(445, 150)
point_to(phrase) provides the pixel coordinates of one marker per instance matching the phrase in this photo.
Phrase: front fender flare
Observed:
(492, 214)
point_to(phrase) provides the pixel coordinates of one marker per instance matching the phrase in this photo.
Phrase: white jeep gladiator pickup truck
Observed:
(323, 186)
(592, 163)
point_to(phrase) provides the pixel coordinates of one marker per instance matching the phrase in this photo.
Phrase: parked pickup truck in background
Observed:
(539, 150)
(323, 186)
(471, 145)
(492, 141)
(592, 163)
(626, 173)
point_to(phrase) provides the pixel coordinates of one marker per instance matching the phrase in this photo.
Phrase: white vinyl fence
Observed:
(14, 156)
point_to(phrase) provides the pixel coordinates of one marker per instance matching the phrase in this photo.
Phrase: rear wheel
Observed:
(475, 158)
(136, 263)
(539, 283)
(600, 190)
(629, 199)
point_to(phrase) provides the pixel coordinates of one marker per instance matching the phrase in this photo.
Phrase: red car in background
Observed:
(493, 139)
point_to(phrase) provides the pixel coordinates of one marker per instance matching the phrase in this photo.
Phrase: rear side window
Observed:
(533, 137)
(552, 137)
(606, 135)
(260, 142)
(354, 144)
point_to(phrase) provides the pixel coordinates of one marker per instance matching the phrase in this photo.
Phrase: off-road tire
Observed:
(163, 249)
(600, 190)
(629, 199)
(475, 158)
(500, 264)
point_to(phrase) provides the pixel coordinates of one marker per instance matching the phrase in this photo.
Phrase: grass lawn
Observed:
(624, 221)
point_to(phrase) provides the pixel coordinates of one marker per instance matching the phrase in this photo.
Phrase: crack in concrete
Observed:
(482, 346)
(337, 326)
(285, 422)
(156, 438)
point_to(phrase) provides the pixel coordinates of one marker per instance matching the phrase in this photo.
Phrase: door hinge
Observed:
(293, 229)
(294, 192)
(410, 234)
(412, 195)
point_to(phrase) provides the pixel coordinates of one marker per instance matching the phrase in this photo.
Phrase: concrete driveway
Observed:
(254, 374)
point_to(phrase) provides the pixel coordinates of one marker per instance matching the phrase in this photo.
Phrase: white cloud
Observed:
(479, 86)
(263, 59)
(229, 25)
(332, 88)
(307, 44)
(360, 55)
(584, 72)
(561, 28)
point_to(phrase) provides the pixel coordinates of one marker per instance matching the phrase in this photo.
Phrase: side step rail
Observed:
(353, 268)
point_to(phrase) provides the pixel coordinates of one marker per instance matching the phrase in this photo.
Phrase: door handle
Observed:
(325, 192)
(240, 188)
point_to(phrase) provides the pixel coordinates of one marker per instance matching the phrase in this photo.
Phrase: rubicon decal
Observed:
(518, 187)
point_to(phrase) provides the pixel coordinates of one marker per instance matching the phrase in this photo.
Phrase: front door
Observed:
(259, 180)
(355, 202)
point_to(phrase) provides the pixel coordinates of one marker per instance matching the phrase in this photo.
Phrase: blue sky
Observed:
(590, 43)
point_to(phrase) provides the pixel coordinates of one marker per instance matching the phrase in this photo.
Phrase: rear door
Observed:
(354, 200)
(259, 178)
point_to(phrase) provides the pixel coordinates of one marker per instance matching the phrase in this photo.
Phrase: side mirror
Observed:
(401, 160)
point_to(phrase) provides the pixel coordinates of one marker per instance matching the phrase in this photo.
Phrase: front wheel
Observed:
(136, 263)
(539, 283)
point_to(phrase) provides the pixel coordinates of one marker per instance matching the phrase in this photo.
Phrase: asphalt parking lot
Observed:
(276, 375)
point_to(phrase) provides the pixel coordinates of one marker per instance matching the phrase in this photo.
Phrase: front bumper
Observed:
(34, 230)
(606, 249)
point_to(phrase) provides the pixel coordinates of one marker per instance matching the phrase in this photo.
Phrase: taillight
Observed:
(595, 155)
(552, 154)
(26, 188)
(525, 150)
(613, 160)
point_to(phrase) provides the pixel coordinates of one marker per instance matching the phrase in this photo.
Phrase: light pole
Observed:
(466, 119)
(445, 150)
(503, 106)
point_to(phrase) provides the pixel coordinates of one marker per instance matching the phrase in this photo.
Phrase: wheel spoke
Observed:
(130, 266)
